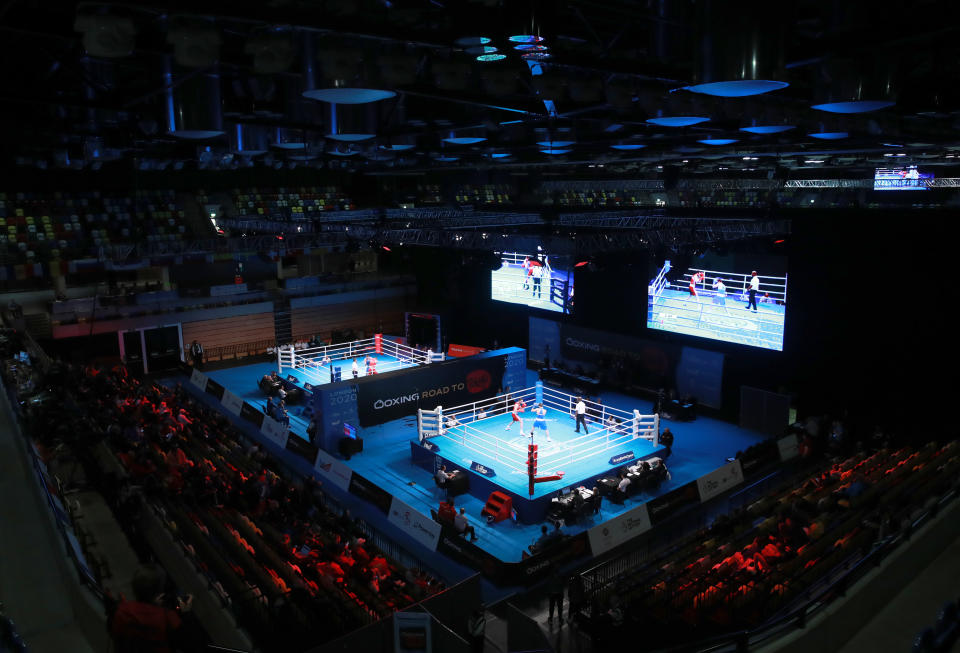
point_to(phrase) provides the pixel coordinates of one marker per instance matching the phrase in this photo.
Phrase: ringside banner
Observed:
(788, 447)
(276, 431)
(420, 527)
(332, 470)
(720, 480)
(231, 402)
(198, 379)
(618, 530)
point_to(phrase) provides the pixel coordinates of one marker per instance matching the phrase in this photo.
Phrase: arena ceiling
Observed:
(633, 86)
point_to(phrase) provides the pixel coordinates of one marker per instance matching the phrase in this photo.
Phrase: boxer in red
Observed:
(697, 277)
(518, 408)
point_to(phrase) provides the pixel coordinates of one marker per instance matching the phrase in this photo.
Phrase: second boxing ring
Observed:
(483, 437)
(331, 363)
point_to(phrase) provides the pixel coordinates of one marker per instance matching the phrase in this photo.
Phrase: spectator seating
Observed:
(53, 226)
(484, 194)
(295, 572)
(751, 564)
(290, 204)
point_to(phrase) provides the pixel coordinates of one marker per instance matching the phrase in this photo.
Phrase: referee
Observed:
(581, 411)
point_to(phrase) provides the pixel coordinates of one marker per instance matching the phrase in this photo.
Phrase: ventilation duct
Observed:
(250, 140)
(193, 103)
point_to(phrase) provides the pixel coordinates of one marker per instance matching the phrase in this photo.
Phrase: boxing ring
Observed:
(719, 314)
(510, 283)
(474, 437)
(328, 363)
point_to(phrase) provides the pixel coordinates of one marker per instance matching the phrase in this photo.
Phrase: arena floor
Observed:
(700, 447)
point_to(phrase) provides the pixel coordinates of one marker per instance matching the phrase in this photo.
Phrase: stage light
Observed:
(738, 88)
(677, 121)
(530, 47)
(581, 264)
(829, 136)
(471, 41)
(857, 106)
(626, 147)
(553, 144)
(464, 140)
(717, 141)
(348, 95)
(526, 38)
(536, 56)
(486, 58)
(385, 248)
(767, 129)
(481, 49)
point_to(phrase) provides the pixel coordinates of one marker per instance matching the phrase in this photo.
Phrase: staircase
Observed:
(282, 321)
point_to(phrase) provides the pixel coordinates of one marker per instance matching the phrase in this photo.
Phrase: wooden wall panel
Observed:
(384, 315)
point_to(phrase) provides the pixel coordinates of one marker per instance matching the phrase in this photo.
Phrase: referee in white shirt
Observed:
(754, 287)
(581, 411)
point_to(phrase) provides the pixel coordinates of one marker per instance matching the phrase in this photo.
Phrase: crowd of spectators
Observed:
(755, 561)
(296, 571)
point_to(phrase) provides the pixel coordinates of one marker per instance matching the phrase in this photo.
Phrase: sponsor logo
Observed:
(478, 381)
(630, 523)
(436, 392)
(342, 398)
(540, 566)
(579, 344)
(394, 401)
(622, 457)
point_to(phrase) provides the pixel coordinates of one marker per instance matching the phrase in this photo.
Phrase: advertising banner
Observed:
(720, 480)
(420, 527)
(668, 504)
(788, 447)
(333, 471)
(334, 406)
(618, 530)
(231, 402)
(275, 431)
(369, 491)
(451, 383)
(252, 414)
(460, 351)
(515, 375)
(214, 389)
(198, 379)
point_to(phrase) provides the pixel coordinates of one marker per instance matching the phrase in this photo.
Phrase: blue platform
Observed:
(700, 447)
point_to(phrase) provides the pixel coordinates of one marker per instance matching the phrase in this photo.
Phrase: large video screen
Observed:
(533, 279)
(906, 178)
(745, 306)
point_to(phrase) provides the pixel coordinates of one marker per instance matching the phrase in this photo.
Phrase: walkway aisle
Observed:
(33, 574)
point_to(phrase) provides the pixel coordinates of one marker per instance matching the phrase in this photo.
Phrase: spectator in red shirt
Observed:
(146, 625)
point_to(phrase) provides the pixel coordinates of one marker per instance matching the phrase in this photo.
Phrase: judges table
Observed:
(458, 483)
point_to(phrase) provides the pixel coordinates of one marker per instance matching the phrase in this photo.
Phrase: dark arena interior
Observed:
(479, 325)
